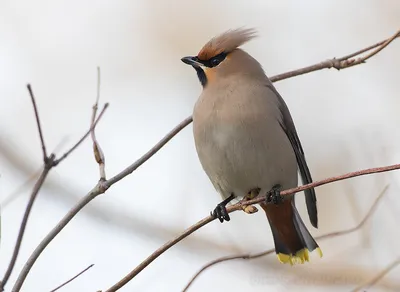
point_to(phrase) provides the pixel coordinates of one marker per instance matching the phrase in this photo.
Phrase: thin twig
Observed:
(101, 188)
(52, 162)
(319, 183)
(339, 63)
(73, 278)
(362, 51)
(98, 152)
(38, 123)
(97, 190)
(19, 191)
(349, 63)
(378, 277)
(24, 222)
(149, 153)
(57, 161)
(96, 105)
(270, 251)
(48, 163)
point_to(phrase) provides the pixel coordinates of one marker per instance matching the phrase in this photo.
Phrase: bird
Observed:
(247, 142)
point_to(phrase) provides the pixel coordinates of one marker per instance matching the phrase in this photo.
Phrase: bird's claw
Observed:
(274, 196)
(221, 213)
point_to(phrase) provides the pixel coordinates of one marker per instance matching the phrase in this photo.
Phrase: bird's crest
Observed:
(226, 42)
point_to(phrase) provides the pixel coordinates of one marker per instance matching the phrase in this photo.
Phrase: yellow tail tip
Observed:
(300, 257)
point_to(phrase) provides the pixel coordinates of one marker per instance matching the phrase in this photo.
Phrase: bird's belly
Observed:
(242, 157)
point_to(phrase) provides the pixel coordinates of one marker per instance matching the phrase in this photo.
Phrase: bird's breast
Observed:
(240, 142)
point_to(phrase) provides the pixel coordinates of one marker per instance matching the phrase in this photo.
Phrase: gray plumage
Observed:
(246, 140)
(244, 134)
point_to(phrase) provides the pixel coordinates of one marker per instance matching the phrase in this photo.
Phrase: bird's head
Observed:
(220, 56)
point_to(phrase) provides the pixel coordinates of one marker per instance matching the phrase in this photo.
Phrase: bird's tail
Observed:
(293, 241)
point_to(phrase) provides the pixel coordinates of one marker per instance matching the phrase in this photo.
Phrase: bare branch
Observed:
(149, 153)
(98, 152)
(83, 137)
(236, 207)
(339, 63)
(373, 53)
(49, 163)
(24, 222)
(38, 123)
(378, 277)
(270, 251)
(19, 191)
(73, 278)
(98, 88)
(102, 187)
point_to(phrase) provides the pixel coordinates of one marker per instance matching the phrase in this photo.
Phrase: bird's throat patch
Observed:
(210, 74)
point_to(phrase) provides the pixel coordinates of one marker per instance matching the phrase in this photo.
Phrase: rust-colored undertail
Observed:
(293, 241)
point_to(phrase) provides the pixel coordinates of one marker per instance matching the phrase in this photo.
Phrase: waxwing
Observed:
(247, 142)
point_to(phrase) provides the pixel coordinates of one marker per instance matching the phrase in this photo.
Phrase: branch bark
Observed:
(102, 186)
(340, 63)
(49, 162)
(239, 206)
(272, 250)
(73, 278)
(39, 126)
(21, 232)
(66, 154)
(97, 151)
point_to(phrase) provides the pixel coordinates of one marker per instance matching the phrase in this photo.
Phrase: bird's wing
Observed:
(288, 126)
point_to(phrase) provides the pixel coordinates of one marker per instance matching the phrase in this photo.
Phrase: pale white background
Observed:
(346, 120)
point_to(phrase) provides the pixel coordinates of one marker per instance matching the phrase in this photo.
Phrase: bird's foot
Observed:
(250, 209)
(274, 195)
(220, 211)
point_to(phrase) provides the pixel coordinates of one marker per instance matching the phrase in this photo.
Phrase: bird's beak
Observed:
(192, 61)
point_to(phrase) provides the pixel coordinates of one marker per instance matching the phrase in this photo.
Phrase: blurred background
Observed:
(347, 121)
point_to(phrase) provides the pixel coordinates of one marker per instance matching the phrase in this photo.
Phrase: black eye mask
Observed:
(214, 61)
(210, 63)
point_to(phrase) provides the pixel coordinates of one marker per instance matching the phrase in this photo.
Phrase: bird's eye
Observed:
(215, 61)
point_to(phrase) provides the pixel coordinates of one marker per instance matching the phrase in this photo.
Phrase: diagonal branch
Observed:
(236, 207)
(270, 251)
(373, 53)
(101, 188)
(340, 63)
(149, 153)
(73, 278)
(65, 155)
(24, 221)
(45, 157)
